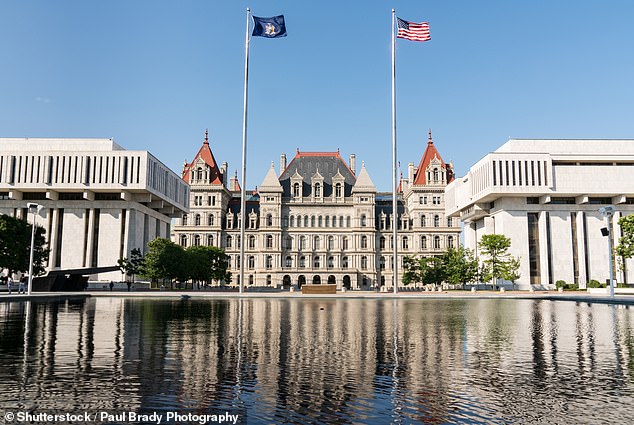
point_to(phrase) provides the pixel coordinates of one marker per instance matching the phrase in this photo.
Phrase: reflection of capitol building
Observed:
(318, 221)
(429, 361)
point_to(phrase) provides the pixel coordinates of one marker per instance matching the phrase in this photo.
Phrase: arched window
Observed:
(382, 242)
(199, 173)
(364, 262)
(238, 241)
(210, 220)
(197, 220)
(269, 241)
(302, 261)
(435, 174)
(317, 262)
(316, 242)
(334, 221)
(317, 190)
(251, 242)
(382, 263)
(320, 221)
(344, 262)
(295, 190)
(327, 221)
(348, 221)
(305, 221)
(288, 262)
(251, 262)
(363, 221)
(423, 242)
(450, 242)
(302, 243)
(364, 242)
(423, 220)
(197, 240)
(289, 242)
(269, 261)
(229, 241)
(183, 240)
(331, 242)
(312, 221)
(436, 242)
(341, 223)
(344, 243)
(331, 262)
(449, 222)
(238, 264)
(269, 220)
(436, 221)
(405, 243)
(338, 190)
(184, 219)
(292, 221)
(210, 240)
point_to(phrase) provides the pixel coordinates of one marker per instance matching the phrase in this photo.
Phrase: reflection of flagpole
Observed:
(244, 152)
(394, 200)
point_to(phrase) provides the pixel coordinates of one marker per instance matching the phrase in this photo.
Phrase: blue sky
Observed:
(155, 74)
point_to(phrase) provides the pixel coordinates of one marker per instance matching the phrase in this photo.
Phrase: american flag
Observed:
(413, 31)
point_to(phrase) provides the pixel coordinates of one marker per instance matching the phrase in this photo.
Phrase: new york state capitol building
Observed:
(319, 221)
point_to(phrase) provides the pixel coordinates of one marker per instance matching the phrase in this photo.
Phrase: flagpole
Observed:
(394, 194)
(244, 153)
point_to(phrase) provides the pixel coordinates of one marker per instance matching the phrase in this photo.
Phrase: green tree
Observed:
(460, 266)
(163, 261)
(432, 270)
(411, 270)
(207, 263)
(511, 270)
(15, 246)
(131, 266)
(625, 248)
(499, 262)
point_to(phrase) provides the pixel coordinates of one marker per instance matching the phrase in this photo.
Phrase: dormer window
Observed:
(317, 190)
(296, 192)
(338, 190)
(199, 173)
(435, 174)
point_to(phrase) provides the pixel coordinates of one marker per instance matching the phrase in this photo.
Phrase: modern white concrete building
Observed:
(545, 195)
(99, 200)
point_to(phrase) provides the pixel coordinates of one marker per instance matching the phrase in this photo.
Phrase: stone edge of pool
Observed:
(462, 295)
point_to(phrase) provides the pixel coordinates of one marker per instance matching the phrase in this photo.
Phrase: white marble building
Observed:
(545, 195)
(318, 221)
(99, 200)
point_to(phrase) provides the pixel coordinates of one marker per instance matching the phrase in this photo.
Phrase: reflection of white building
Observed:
(545, 195)
(100, 201)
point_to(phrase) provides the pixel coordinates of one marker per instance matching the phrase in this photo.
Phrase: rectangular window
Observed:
(60, 232)
(95, 239)
(494, 175)
(533, 248)
(549, 245)
(575, 248)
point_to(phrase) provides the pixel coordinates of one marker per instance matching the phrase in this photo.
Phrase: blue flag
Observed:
(269, 27)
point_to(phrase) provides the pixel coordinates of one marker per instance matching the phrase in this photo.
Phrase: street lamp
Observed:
(608, 212)
(35, 209)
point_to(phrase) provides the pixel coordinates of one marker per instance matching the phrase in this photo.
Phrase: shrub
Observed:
(561, 284)
(593, 283)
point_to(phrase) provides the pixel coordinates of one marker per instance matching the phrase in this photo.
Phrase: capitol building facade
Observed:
(319, 221)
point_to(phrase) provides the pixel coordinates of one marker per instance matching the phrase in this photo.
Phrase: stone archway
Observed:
(286, 282)
(346, 282)
(316, 280)
(331, 280)
(301, 280)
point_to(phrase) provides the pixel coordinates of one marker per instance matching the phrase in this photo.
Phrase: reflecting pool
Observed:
(323, 360)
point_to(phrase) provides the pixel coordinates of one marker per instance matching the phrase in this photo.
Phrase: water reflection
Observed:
(323, 360)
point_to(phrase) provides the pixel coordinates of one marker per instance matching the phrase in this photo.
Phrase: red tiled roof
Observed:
(430, 153)
(208, 157)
